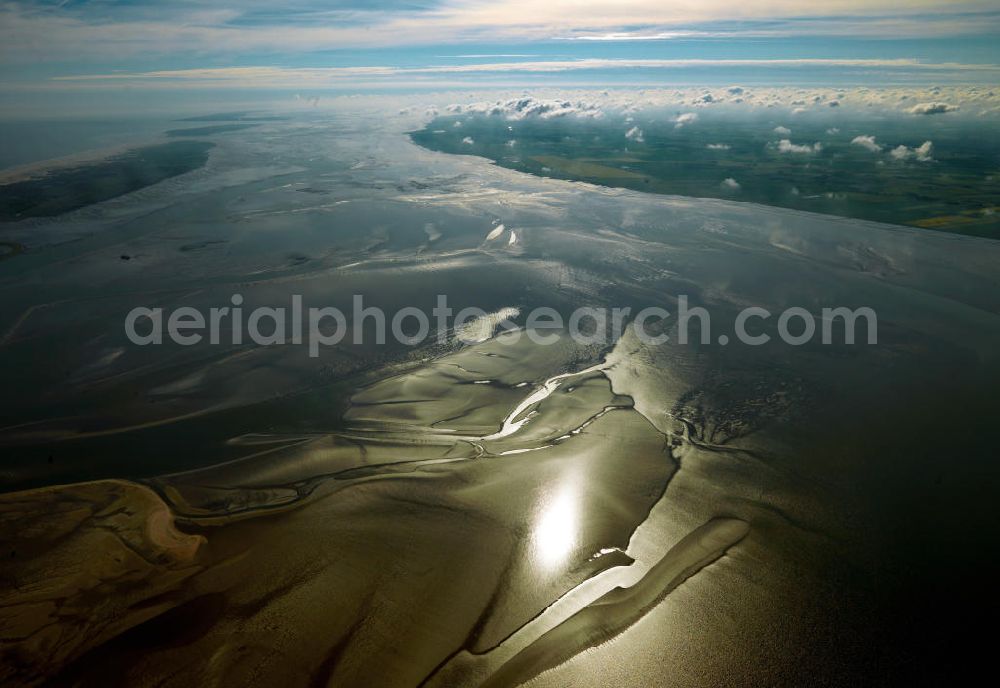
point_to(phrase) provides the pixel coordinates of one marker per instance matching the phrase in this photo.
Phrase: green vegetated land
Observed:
(955, 187)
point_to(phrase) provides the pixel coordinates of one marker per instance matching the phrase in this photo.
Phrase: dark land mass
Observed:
(63, 190)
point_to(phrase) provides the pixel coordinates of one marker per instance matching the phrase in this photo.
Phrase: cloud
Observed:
(624, 106)
(921, 153)
(468, 140)
(782, 131)
(786, 146)
(866, 142)
(935, 108)
(635, 134)
(568, 65)
(718, 146)
(730, 184)
(529, 107)
(685, 119)
(630, 36)
(115, 28)
(450, 74)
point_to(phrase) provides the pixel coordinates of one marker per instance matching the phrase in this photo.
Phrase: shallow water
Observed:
(454, 514)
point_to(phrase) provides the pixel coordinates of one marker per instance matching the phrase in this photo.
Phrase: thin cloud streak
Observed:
(318, 74)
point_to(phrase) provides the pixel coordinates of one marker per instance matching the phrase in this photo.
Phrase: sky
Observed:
(71, 46)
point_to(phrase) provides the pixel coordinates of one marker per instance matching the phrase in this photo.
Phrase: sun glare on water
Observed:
(556, 529)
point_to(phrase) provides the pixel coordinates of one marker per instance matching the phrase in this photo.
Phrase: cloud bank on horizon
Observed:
(685, 103)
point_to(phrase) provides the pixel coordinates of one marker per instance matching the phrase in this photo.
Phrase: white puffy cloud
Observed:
(866, 142)
(730, 184)
(782, 131)
(935, 108)
(685, 119)
(468, 141)
(921, 153)
(718, 146)
(786, 146)
(635, 134)
(529, 107)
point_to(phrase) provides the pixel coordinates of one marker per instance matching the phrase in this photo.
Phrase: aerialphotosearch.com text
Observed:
(318, 327)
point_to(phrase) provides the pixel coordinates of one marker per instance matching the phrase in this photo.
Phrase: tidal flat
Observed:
(491, 512)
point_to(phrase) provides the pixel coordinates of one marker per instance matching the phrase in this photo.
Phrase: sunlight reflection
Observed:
(556, 529)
